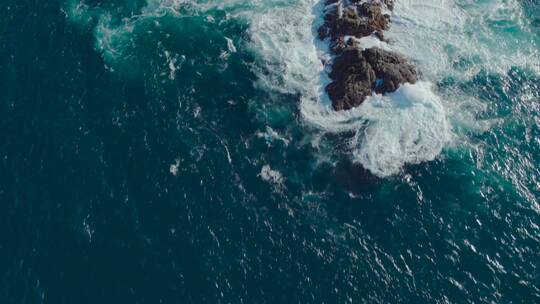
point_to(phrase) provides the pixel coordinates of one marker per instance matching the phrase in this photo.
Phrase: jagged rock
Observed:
(357, 74)
(350, 23)
(391, 68)
(354, 79)
(374, 12)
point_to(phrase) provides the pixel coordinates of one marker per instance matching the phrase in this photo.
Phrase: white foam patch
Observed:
(405, 127)
(173, 168)
(283, 38)
(174, 63)
(458, 38)
(271, 136)
(271, 176)
(369, 42)
(230, 45)
(408, 126)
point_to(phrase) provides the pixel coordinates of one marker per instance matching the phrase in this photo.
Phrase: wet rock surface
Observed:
(357, 73)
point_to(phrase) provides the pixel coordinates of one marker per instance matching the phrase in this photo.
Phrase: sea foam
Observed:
(408, 126)
(459, 38)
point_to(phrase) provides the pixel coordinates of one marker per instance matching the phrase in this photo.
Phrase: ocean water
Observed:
(184, 151)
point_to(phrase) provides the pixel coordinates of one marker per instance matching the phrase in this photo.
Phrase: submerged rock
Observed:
(356, 74)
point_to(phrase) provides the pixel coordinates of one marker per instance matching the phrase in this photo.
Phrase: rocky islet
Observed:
(356, 72)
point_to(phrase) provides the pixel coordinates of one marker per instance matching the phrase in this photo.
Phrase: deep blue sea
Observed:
(184, 151)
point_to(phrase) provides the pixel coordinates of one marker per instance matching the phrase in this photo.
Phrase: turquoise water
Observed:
(182, 152)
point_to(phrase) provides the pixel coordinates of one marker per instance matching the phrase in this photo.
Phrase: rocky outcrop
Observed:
(357, 73)
(390, 68)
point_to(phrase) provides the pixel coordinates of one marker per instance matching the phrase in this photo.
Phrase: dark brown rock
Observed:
(352, 24)
(376, 19)
(353, 79)
(330, 21)
(357, 74)
(391, 68)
